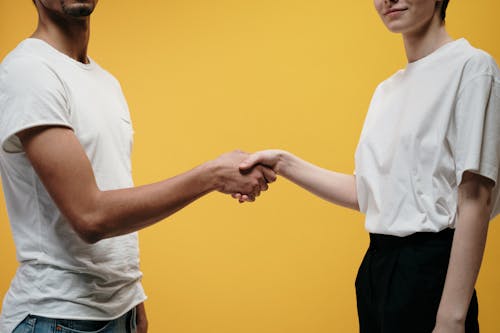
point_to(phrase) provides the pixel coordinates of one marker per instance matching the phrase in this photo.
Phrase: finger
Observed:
(269, 174)
(249, 162)
(236, 195)
(243, 198)
(247, 198)
(256, 190)
(263, 184)
(250, 198)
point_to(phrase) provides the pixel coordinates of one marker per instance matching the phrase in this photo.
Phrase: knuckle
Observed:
(249, 188)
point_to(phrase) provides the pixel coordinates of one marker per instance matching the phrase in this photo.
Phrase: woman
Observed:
(426, 167)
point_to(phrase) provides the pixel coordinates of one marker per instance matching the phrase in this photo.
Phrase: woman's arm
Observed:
(474, 209)
(335, 187)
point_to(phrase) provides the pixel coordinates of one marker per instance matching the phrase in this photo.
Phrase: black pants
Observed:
(400, 282)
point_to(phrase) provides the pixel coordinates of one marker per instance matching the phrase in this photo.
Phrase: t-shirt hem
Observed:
(92, 318)
(404, 233)
(52, 316)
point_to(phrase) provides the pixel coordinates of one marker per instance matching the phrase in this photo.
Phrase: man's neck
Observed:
(70, 38)
(427, 40)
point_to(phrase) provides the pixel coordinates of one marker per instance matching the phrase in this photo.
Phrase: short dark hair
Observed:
(444, 5)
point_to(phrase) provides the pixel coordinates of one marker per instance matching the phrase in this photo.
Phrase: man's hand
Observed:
(141, 319)
(261, 160)
(249, 182)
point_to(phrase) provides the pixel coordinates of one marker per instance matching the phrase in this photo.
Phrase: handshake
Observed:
(244, 176)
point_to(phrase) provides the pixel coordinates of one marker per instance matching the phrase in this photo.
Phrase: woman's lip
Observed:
(394, 10)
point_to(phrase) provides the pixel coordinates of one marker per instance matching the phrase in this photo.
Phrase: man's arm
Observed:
(62, 165)
(474, 209)
(335, 187)
(141, 319)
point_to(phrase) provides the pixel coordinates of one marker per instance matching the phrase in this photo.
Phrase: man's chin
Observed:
(79, 9)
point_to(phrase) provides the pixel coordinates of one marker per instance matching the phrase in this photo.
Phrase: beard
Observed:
(78, 9)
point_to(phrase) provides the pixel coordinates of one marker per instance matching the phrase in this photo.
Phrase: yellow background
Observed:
(203, 77)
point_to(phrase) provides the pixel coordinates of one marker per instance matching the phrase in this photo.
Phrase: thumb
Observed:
(249, 162)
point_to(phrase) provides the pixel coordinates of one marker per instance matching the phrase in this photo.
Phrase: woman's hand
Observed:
(449, 327)
(271, 159)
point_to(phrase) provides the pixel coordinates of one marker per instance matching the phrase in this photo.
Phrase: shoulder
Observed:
(25, 57)
(21, 66)
(479, 62)
(23, 71)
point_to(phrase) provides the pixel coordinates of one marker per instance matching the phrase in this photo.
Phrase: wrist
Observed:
(451, 316)
(210, 177)
(284, 164)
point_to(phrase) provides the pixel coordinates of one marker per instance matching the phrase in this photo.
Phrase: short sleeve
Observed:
(31, 95)
(477, 118)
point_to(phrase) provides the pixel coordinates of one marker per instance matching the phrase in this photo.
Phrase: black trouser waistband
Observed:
(400, 283)
(380, 241)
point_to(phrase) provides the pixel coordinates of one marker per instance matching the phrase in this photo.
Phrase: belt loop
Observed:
(31, 321)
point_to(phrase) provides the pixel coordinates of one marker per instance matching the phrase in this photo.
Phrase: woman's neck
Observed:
(425, 41)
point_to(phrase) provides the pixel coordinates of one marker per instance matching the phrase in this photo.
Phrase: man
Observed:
(66, 136)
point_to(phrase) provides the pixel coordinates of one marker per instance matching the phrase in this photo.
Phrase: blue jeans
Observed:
(35, 324)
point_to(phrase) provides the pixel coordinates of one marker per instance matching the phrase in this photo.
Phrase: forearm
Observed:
(474, 210)
(332, 186)
(118, 212)
(465, 261)
(62, 165)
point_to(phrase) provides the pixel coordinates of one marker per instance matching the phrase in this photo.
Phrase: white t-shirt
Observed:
(60, 276)
(425, 127)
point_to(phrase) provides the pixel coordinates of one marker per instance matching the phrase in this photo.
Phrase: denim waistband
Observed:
(123, 324)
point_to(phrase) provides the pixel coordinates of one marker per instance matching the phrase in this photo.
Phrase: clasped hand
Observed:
(247, 183)
(246, 175)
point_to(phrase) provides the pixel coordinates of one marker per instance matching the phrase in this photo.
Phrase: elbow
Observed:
(476, 192)
(353, 204)
(87, 218)
(89, 227)
(90, 236)
(354, 200)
